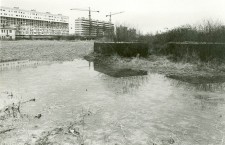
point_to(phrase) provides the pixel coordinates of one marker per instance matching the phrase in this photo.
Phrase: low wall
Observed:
(53, 37)
(127, 49)
(204, 51)
(33, 37)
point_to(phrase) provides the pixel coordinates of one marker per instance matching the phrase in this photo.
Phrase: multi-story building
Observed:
(94, 28)
(34, 23)
(7, 33)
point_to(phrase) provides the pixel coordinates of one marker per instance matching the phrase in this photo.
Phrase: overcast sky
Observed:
(146, 15)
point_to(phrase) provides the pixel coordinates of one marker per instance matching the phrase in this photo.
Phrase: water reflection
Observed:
(217, 84)
(212, 87)
(124, 81)
(206, 96)
(125, 85)
(209, 101)
(115, 72)
(20, 64)
(198, 79)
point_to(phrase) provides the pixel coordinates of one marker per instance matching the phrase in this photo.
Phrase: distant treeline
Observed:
(204, 41)
(125, 34)
(208, 31)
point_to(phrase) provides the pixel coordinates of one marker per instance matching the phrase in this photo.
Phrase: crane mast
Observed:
(110, 17)
(111, 14)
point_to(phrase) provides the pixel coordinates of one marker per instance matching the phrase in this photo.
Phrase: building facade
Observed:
(93, 28)
(33, 23)
(7, 33)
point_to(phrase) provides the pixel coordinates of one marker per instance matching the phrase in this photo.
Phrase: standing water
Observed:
(146, 108)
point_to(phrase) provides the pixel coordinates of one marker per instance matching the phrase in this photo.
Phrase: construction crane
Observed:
(89, 10)
(111, 32)
(111, 14)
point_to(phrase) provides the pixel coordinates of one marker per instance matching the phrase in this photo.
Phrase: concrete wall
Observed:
(127, 49)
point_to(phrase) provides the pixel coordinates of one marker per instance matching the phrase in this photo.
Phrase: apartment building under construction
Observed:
(30, 23)
(93, 28)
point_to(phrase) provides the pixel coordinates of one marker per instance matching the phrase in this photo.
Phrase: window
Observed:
(10, 31)
(2, 31)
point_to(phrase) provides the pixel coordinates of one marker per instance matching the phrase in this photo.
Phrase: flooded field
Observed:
(81, 102)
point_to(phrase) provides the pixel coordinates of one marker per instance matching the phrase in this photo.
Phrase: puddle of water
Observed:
(20, 64)
(142, 109)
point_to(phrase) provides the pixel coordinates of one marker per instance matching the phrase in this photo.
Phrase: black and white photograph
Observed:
(112, 72)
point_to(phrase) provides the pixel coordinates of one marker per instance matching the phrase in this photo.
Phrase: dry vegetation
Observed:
(44, 50)
(163, 65)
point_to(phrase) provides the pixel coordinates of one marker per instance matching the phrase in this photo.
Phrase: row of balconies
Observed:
(30, 19)
(41, 33)
(29, 26)
(32, 27)
(35, 30)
